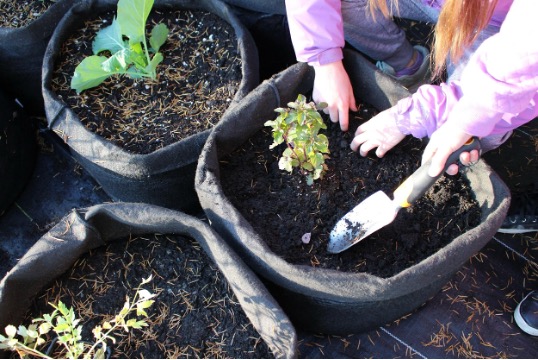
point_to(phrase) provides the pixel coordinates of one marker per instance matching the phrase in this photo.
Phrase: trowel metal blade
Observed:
(370, 215)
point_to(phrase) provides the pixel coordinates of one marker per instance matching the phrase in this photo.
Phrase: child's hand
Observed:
(443, 142)
(379, 132)
(332, 85)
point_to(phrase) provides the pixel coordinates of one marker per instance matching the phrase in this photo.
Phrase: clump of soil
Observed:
(195, 314)
(19, 13)
(282, 207)
(197, 80)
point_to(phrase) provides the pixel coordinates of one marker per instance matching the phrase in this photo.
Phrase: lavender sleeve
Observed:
(316, 29)
(497, 92)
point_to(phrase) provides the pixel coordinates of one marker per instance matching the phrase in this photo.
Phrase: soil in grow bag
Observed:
(195, 84)
(195, 314)
(19, 13)
(282, 208)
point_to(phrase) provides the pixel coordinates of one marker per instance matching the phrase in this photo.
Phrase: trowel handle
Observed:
(419, 182)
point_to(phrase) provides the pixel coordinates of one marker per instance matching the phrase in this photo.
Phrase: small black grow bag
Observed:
(21, 56)
(326, 300)
(163, 177)
(17, 149)
(86, 229)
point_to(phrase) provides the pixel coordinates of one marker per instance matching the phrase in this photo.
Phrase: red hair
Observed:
(458, 26)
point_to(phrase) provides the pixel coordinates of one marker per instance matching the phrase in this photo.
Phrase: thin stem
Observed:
(30, 351)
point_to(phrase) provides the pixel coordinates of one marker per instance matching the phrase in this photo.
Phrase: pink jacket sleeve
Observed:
(498, 90)
(316, 29)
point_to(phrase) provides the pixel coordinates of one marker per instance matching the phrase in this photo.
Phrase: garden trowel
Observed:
(379, 210)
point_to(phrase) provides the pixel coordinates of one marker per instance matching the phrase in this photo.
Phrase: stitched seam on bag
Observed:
(275, 91)
(56, 116)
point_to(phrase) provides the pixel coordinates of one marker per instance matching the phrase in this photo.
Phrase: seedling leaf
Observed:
(89, 73)
(159, 34)
(109, 38)
(132, 16)
(152, 66)
(127, 57)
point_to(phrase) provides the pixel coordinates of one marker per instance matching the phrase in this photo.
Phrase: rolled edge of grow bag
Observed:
(18, 150)
(86, 229)
(21, 56)
(325, 300)
(164, 177)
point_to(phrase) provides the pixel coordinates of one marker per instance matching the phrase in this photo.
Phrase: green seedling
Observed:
(126, 41)
(31, 340)
(298, 126)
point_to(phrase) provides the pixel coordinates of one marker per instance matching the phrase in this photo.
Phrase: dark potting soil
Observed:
(197, 80)
(282, 207)
(19, 13)
(195, 314)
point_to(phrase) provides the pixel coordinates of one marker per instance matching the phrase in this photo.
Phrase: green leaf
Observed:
(322, 105)
(308, 167)
(137, 56)
(109, 38)
(132, 16)
(118, 62)
(89, 73)
(270, 123)
(159, 34)
(145, 294)
(11, 331)
(44, 328)
(150, 69)
(61, 327)
(143, 305)
(132, 323)
(285, 164)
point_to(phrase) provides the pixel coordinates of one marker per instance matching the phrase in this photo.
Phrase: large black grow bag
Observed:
(164, 177)
(21, 56)
(86, 229)
(325, 300)
(18, 148)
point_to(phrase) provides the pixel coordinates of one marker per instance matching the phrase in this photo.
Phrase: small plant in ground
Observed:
(130, 57)
(298, 126)
(30, 341)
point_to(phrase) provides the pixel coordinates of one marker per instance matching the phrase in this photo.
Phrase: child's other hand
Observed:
(379, 132)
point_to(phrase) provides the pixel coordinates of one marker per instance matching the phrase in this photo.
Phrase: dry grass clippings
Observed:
(196, 82)
(195, 315)
(19, 13)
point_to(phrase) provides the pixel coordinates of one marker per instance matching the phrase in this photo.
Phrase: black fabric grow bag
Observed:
(164, 177)
(266, 6)
(21, 56)
(324, 300)
(17, 149)
(86, 229)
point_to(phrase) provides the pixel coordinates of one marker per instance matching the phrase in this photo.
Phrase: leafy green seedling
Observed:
(126, 41)
(28, 341)
(298, 126)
